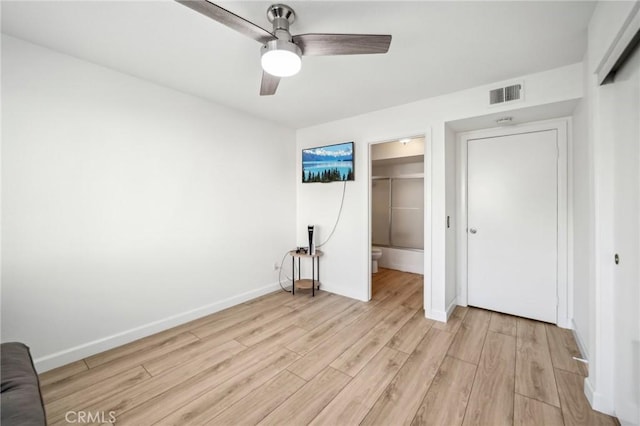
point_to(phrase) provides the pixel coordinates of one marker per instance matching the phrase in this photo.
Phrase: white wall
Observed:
(397, 149)
(128, 207)
(402, 260)
(601, 330)
(345, 268)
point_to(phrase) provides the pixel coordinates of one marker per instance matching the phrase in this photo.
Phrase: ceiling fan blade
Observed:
(229, 19)
(269, 84)
(342, 44)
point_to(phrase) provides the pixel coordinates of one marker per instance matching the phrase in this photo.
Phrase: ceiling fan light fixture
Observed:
(281, 58)
(281, 54)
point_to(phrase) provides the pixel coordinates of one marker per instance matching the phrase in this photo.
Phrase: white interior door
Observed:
(512, 216)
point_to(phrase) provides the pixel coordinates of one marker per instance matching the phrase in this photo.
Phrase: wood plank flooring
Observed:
(296, 360)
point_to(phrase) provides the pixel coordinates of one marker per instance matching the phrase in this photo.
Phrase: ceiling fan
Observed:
(281, 52)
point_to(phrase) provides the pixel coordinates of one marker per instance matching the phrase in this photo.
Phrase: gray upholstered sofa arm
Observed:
(21, 398)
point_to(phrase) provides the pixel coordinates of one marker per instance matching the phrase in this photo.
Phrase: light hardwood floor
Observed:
(296, 360)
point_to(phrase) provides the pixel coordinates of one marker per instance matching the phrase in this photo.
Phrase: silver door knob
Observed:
(473, 230)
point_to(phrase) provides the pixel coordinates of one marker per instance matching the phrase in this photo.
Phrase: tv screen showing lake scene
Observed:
(328, 163)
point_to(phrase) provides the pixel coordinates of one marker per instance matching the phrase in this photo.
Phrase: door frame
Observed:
(562, 126)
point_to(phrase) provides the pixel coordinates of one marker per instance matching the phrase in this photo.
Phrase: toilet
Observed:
(376, 254)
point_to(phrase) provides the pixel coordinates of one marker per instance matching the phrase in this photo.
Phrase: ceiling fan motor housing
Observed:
(281, 16)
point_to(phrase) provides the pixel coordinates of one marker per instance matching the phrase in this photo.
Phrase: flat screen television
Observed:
(329, 163)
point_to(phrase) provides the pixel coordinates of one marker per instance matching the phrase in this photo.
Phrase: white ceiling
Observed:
(437, 48)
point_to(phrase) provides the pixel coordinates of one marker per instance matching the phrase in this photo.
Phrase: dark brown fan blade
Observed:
(342, 44)
(269, 84)
(229, 19)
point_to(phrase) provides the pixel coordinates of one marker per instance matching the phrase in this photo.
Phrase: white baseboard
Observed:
(597, 401)
(438, 315)
(404, 267)
(340, 291)
(565, 323)
(76, 353)
(588, 391)
(451, 307)
(435, 315)
(579, 341)
(628, 413)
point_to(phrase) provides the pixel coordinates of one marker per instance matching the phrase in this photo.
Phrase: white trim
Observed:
(564, 302)
(461, 219)
(570, 225)
(597, 400)
(428, 226)
(369, 173)
(564, 195)
(580, 341)
(622, 40)
(404, 267)
(84, 350)
(451, 307)
(436, 315)
(340, 290)
(588, 391)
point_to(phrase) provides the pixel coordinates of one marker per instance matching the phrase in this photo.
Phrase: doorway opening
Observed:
(397, 218)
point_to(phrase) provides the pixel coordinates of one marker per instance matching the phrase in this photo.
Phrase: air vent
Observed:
(496, 96)
(505, 94)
